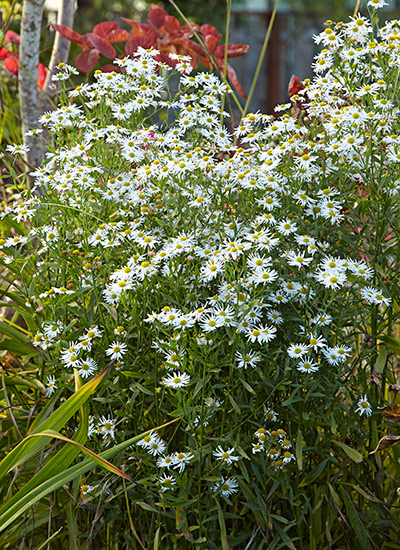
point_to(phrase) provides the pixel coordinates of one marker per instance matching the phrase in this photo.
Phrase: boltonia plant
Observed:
(228, 275)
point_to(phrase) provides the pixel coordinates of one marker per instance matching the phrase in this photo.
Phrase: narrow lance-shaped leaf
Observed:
(60, 461)
(96, 458)
(64, 477)
(28, 447)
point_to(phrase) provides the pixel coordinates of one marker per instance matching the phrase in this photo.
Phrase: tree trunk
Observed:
(61, 45)
(32, 12)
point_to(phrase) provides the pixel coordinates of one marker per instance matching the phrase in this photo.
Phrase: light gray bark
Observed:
(61, 45)
(32, 12)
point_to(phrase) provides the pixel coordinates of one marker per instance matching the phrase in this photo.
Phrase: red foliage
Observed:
(12, 37)
(163, 32)
(11, 59)
(295, 85)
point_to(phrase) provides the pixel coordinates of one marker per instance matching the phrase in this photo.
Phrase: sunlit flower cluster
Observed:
(202, 261)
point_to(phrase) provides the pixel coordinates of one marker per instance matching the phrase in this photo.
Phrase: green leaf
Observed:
(58, 463)
(46, 542)
(351, 453)
(45, 411)
(314, 474)
(335, 496)
(391, 343)
(381, 359)
(222, 526)
(234, 404)
(17, 347)
(65, 477)
(8, 330)
(28, 446)
(156, 541)
(355, 522)
(19, 381)
(247, 386)
(146, 506)
(95, 457)
(299, 450)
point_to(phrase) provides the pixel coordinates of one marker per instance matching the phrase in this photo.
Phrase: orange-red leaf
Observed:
(102, 45)
(171, 25)
(209, 30)
(145, 41)
(42, 72)
(119, 35)
(157, 16)
(4, 53)
(71, 35)
(104, 28)
(233, 78)
(110, 69)
(12, 37)
(87, 60)
(295, 85)
(234, 50)
(211, 42)
(11, 64)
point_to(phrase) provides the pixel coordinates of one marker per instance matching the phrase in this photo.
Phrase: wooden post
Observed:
(273, 65)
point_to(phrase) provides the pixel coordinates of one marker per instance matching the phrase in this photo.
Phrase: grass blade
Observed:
(29, 446)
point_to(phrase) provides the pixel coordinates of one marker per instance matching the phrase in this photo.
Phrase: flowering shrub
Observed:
(239, 283)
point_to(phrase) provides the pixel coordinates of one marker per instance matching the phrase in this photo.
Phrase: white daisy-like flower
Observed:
(363, 406)
(166, 482)
(181, 460)
(51, 386)
(226, 457)
(157, 447)
(297, 350)
(270, 415)
(165, 461)
(116, 350)
(87, 367)
(106, 427)
(257, 448)
(307, 365)
(176, 380)
(245, 360)
(226, 487)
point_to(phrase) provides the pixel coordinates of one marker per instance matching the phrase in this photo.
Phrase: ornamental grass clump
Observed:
(237, 280)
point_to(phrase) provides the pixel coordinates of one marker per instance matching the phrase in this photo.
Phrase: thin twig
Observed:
(252, 538)
(356, 8)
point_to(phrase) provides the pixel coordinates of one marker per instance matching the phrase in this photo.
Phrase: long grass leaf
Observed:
(30, 446)
(64, 477)
(355, 522)
(57, 464)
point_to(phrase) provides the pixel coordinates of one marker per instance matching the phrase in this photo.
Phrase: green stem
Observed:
(228, 21)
